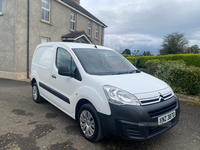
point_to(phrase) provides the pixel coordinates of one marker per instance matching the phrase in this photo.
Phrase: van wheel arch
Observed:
(90, 123)
(36, 94)
(33, 81)
(79, 104)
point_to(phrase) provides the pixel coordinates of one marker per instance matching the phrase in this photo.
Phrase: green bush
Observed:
(164, 69)
(152, 66)
(131, 60)
(181, 78)
(185, 80)
(179, 74)
(126, 55)
(143, 70)
(189, 59)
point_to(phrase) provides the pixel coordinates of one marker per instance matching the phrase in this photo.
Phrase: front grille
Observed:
(158, 112)
(155, 130)
(148, 101)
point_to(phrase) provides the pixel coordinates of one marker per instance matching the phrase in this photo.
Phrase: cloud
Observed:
(142, 24)
(133, 42)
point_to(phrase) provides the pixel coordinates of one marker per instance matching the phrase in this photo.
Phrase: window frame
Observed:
(97, 32)
(69, 55)
(46, 9)
(89, 28)
(72, 21)
(71, 61)
(48, 39)
(1, 8)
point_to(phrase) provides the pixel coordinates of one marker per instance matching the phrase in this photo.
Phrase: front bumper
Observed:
(138, 122)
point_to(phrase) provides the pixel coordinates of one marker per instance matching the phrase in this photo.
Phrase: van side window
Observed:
(63, 58)
(43, 56)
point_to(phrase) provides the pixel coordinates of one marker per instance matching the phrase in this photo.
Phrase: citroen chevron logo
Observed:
(160, 97)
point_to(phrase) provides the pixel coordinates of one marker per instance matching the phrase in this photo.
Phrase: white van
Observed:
(105, 93)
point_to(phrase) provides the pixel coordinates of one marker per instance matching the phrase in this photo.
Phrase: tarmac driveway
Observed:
(25, 125)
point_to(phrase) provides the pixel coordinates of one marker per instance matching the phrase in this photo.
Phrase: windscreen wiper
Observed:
(129, 72)
(134, 71)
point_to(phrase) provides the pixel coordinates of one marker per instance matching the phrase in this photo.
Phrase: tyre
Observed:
(89, 123)
(36, 95)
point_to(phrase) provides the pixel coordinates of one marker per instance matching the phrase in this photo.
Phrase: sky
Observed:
(142, 24)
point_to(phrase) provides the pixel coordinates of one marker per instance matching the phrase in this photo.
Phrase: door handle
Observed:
(53, 76)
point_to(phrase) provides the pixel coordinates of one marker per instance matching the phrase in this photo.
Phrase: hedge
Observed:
(164, 69)
(126, 55)
(189, 59)
(152, 66)
(181, 78)
(185, 80)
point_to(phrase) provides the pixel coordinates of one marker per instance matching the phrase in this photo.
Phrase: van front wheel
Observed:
(89, 123)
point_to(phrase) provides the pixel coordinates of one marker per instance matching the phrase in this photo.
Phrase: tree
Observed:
(174, 43)
(193, 49)
(148, 53)
(127, 51)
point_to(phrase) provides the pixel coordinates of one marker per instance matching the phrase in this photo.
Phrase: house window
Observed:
(46, 10)
(45, 40)
(89, 28)
(96, 32)
(72, 21)
(0, 6)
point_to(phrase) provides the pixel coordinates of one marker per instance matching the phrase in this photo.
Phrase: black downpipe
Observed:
(102, 36)
(28, 39)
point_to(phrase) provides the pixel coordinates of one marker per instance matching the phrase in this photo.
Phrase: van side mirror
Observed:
(63, 71)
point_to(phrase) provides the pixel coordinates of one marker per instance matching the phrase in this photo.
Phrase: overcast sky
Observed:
(142, 24)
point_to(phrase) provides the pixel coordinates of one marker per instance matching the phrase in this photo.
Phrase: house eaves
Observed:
(75, 7)
(85, 38)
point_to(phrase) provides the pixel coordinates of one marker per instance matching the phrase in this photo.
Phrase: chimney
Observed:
(77, 1)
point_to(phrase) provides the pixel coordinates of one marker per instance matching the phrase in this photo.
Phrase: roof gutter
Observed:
(28, 19)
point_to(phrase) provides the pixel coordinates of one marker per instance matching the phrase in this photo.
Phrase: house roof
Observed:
(76, 35)
(81, 9)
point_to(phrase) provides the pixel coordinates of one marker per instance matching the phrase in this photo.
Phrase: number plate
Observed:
(166, 118)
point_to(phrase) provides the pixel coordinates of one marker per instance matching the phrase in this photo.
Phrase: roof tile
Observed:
(81, 9)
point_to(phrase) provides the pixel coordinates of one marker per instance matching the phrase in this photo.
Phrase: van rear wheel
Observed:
(36, 95)
(89, 123)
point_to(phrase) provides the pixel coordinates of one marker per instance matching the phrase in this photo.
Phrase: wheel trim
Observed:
(35, 93)
(87, 123)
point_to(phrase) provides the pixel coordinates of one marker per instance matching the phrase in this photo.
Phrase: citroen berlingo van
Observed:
(103, 91)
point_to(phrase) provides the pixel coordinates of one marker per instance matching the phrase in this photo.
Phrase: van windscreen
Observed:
(103, 62)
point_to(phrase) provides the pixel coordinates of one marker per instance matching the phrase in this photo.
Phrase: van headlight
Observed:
(120, 97)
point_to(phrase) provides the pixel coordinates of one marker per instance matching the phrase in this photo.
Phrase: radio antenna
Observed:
(94, 44)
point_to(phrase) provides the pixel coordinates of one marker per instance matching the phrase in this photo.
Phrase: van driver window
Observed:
(63, 58)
